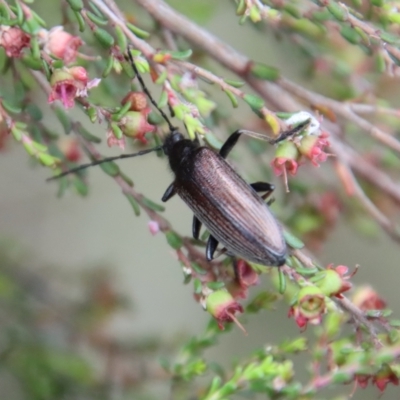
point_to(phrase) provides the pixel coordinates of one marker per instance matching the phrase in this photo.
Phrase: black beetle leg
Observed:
(169, 192)
(264, 187)
(196, 226)
(211, 247)
(229, 144)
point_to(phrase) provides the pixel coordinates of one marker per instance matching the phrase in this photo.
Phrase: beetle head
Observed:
(171, 140)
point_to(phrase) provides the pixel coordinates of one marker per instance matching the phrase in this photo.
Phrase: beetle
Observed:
(234, 213)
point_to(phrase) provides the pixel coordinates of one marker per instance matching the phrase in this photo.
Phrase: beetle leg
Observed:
(196, 226)
(264, 187)
(230, 142)
(169, 192)
(211, 247)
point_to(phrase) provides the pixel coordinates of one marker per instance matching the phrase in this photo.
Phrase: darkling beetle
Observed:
(235, 215)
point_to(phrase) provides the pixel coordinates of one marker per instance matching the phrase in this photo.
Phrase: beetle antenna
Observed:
(284, 135)
(103, 160)
(144, 88)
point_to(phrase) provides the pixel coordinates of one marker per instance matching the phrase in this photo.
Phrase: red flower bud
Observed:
(70, 148)
(334, 281)
(366, 298)
(138, 101)
(134, 124)
(385, 376)
(14, 40)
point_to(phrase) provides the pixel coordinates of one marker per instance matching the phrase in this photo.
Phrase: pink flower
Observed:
(312, 147)
(285, 160)
(309, 308)
(62, 44)
(14, 40)
(68, 84)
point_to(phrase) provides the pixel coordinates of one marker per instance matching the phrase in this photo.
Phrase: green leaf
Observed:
(110, 168)
(181, 55)
(104, 38)
(76, 5)
(87, 135)
(133, 203)
(292, 240)
(232, 98)
(11, 107)
(253, 101)
(64, 119)
(95, 19)
(236, 84)
(121, 39)
(153, 206)
(174, 240)
(265, 72)
(140, 33)
(80, 20)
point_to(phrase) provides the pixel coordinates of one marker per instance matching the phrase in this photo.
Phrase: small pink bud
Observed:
(154, 227)
(13, 40)
(79, 74)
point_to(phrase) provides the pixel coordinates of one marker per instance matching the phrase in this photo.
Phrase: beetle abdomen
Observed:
(231, 210)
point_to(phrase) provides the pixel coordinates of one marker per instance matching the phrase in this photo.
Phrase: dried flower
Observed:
(61, 44)
(138, 101)
(222, 306)
(385, 376)
(366, 298)
(14, 40)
